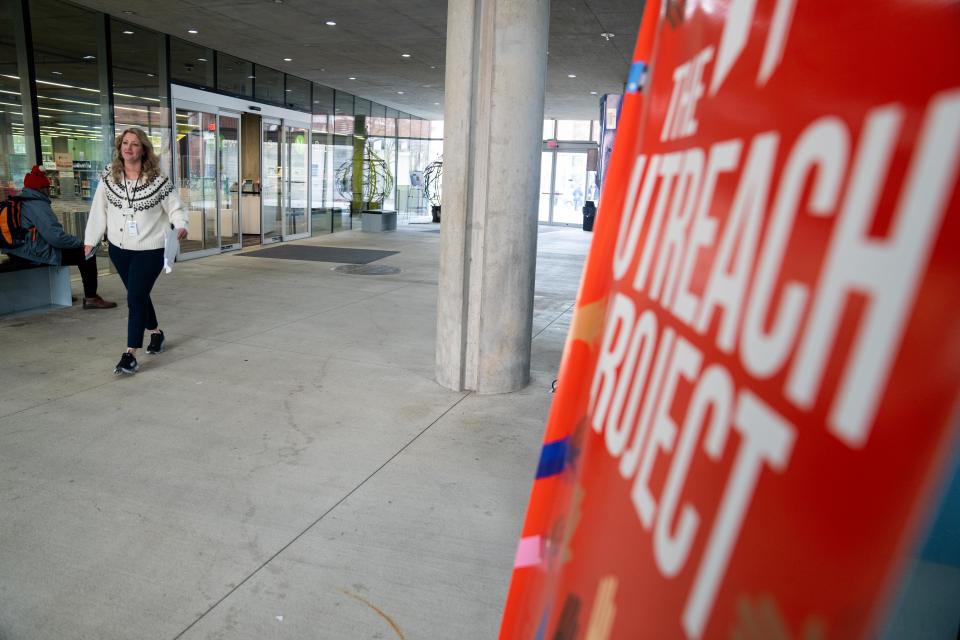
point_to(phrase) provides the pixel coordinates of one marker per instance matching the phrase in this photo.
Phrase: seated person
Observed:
(51, 244)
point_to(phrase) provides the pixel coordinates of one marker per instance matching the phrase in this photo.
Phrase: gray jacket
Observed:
(50, 236)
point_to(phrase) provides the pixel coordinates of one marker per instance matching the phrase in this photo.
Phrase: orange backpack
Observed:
(12, 234)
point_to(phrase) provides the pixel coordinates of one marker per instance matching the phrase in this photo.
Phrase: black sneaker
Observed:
(128, 364)
(156, 343)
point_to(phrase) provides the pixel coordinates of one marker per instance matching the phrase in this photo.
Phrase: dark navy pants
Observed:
(138, 270)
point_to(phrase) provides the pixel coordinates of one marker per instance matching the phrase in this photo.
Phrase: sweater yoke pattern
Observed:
(145, 196)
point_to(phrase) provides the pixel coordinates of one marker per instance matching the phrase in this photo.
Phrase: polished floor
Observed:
(288, 468)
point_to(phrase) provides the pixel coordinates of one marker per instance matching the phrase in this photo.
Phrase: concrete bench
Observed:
(30, 287)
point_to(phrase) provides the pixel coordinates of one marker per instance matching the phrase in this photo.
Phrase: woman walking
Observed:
(135, 204)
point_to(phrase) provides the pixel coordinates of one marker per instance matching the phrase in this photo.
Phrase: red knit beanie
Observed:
(36, 179)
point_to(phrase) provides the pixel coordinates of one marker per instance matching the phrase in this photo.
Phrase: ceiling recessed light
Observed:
(400, 92)
(150, 75)
(433, 67)
(201, 59)
(571, 75)
(351, 78)
(56, 73)
(128, 32)
(437, 103)
(129, 13)
(89, 57)
(606, 35)
(593, 93)
(193, 31)
(288, 59)
(288, 90)
(331, 23)
(404, 55)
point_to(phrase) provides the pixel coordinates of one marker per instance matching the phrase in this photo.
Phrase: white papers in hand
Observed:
(171, 248)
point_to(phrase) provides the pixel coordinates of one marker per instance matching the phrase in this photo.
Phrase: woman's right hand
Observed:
(87, 249)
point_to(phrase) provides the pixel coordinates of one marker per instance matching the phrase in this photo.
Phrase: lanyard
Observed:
(126, 190)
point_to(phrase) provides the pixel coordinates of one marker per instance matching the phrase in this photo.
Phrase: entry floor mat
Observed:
(341, 255)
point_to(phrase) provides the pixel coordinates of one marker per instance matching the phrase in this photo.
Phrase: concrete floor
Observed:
(288, 468)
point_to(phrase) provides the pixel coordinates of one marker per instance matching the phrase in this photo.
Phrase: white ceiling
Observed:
(371, 35)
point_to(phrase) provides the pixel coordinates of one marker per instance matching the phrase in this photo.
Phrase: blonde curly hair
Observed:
(149, 162)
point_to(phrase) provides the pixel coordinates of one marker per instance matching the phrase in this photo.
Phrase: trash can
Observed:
(589, 213)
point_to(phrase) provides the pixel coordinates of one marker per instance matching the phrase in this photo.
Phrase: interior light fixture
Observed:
(331, 23)
(404, 55)
(593, 93)
(571, 75)
(251, 77)
(201, 59)
(56, 73)
(129, 13)
(400, 92)
(193, 31)
(351, 78)
(606, 35)
(150, 75)
(288, 59)
(128, 33)
(89, 57)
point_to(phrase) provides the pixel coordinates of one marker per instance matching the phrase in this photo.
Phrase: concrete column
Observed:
(493, 127)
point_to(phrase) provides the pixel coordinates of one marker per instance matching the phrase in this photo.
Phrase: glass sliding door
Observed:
(271, 181)
(229, 181)
(296, 160)
(197, 177)
(570, 182)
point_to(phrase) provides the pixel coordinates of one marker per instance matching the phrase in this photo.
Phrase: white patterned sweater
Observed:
(153, 206)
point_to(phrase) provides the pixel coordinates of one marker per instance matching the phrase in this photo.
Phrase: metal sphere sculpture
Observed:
(376, 180)
(433, 182)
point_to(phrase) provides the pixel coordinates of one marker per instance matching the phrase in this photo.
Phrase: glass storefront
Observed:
(245, 179)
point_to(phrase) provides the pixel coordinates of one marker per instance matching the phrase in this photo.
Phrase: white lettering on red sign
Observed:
(768, 326)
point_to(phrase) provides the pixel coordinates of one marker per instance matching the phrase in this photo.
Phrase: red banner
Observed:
(761, 383)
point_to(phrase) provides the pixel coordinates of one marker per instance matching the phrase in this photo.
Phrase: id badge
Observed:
(132, 229)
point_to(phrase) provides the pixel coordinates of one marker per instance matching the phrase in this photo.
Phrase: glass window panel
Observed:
(296, 152)
(69, 100)
(297, 93)
(377, 122)
(322, 109)
(138, 98)
(403, 126)
(569, 187)
(390, 128)
(343, 113)
(229, 128)
(436, 129)
(573, 130)
(321, 184)
(549, 129)
(342, 155)
(546, 182)
(596, 131)
(197, 159)
(268, 85)
(190, 63)
(234, 75)
(361, 107)
(13, 145)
